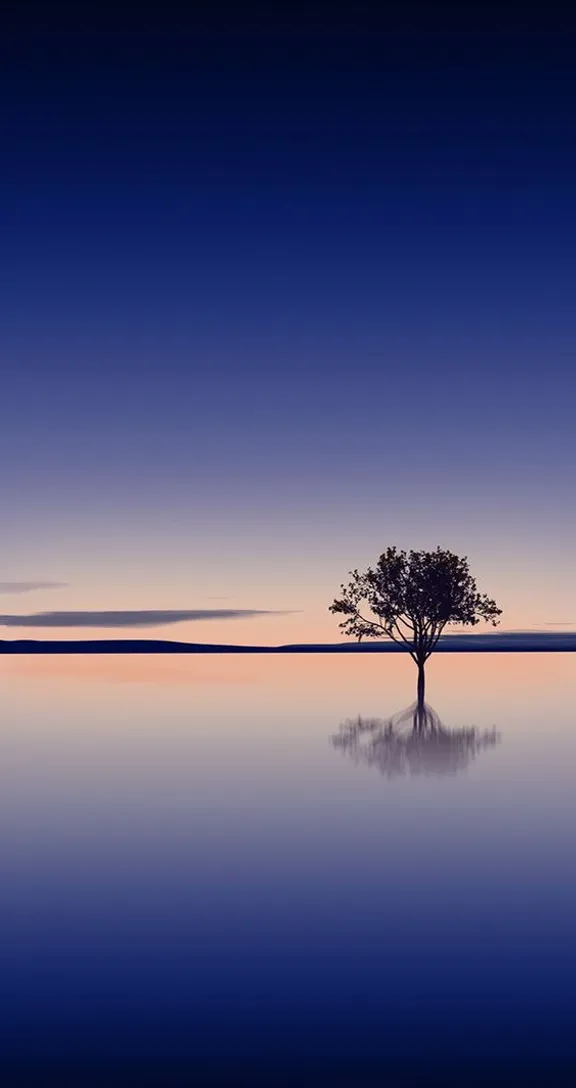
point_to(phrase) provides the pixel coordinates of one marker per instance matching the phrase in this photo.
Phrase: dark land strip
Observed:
(511, 642)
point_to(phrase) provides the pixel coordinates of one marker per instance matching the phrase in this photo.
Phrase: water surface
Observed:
(196, 878)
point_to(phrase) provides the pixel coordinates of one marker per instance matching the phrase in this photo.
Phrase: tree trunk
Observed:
(421, 685)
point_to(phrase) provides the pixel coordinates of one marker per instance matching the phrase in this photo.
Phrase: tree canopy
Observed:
(410, 597)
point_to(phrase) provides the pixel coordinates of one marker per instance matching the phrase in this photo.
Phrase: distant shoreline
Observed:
(520, 642)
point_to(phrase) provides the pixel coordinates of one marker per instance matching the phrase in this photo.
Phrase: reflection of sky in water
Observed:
(189, 868)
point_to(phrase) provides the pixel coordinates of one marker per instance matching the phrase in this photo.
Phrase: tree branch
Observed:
(410, 626)
(399, 641)
(435, 641)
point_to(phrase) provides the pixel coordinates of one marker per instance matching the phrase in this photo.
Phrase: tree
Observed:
(410, 598)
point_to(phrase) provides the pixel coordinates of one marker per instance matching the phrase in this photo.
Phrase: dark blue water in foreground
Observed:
(199, 887)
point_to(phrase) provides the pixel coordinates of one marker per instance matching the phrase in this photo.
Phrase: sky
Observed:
(276, 295)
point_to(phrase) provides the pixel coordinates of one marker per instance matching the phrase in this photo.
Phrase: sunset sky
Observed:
(277, 296)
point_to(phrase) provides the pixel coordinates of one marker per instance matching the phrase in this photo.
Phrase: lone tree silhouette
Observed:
(410, 598)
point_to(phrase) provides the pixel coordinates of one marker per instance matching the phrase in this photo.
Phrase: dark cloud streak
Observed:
(29, 587)
(137, 618)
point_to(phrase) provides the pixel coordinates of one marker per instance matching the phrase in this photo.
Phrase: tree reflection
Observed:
(413, 741)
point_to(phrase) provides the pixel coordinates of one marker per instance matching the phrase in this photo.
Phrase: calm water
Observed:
(196, 882)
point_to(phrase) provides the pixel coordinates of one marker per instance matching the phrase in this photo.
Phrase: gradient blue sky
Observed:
(275, 296)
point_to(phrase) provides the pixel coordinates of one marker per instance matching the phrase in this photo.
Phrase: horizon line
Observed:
(491, 642)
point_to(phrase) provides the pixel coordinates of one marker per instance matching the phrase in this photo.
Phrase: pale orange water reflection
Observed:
(472, 675)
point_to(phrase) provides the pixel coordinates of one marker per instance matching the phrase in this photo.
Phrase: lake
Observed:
(200, 884)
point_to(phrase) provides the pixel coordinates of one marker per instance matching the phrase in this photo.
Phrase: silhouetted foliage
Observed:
(410, 598)
(414, 741)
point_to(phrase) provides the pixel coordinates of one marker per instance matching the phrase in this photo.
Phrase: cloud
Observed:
(139, 618)
(29, 587)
